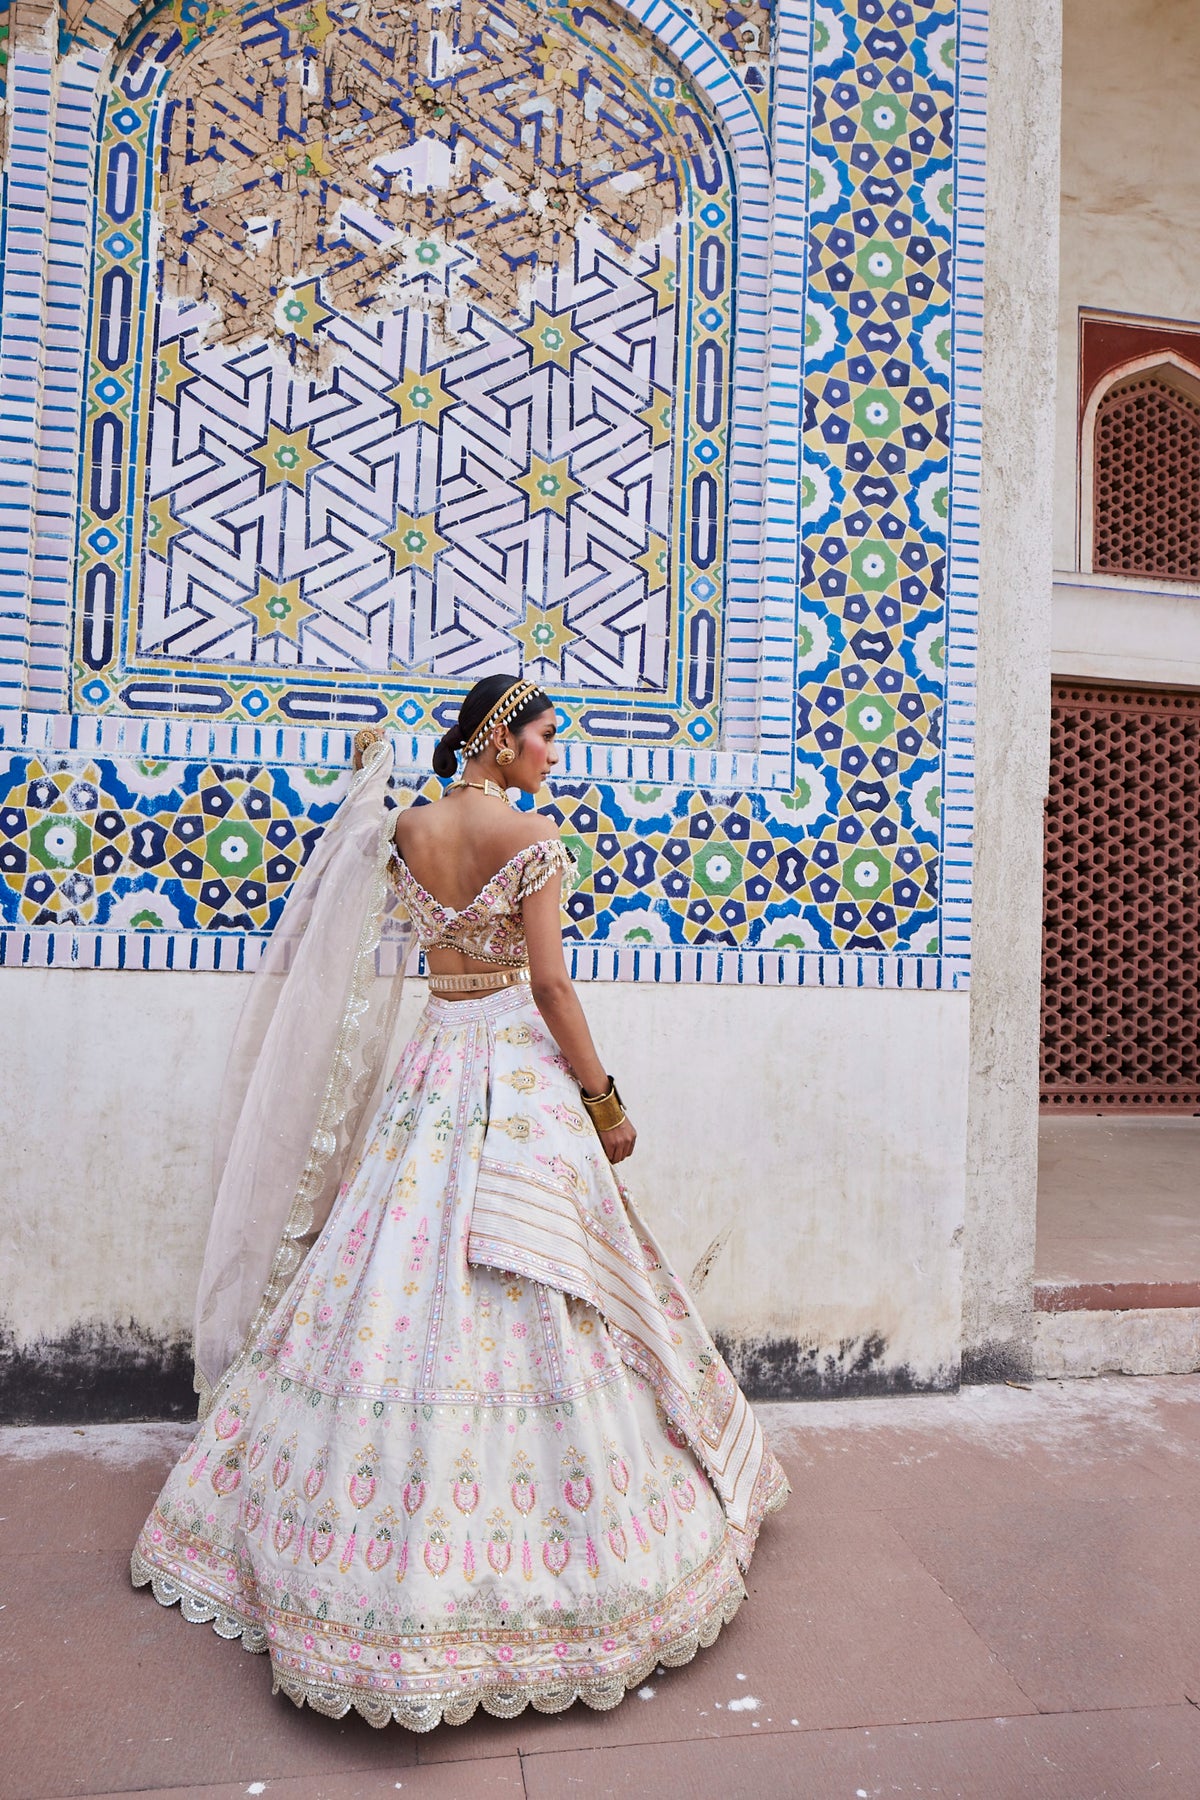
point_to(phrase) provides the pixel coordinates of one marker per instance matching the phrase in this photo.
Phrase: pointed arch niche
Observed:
(1139, 452)
(421, 344)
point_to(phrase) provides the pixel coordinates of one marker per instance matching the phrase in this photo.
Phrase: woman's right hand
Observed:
(618, 1142)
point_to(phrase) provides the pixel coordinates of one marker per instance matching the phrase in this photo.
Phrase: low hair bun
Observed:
(445, 755)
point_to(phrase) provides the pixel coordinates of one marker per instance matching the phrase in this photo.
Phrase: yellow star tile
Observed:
(543, 633)
(658, 417)
(161, 525)
(549, 485)
(172, 371)
(301, 311)
(316, 24)
(656, 562)
(311, 156)
(663, 281)
(287, 456)
(422, 399)
(277, 609)
(414, 542)
(551, 338)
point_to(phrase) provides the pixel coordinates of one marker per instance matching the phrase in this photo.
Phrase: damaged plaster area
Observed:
(330, 148)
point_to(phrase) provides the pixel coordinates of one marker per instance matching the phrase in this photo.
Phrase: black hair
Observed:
(475, 709)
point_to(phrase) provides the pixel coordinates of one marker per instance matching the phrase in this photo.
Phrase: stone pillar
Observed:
(1013, 696)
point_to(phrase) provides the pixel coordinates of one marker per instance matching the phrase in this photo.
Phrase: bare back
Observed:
(454, 846)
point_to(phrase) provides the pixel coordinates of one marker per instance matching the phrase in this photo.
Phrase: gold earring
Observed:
(505, 755)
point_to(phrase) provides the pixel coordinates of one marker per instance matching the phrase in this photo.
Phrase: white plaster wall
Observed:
(824, 1129)
(1109, 631)
(1130, 188)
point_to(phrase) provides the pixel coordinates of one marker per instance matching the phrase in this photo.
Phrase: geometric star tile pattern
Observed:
(849, 858)
(207, 848)
(457, 482)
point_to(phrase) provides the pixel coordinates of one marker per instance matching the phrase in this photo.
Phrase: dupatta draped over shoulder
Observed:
(306, 1071)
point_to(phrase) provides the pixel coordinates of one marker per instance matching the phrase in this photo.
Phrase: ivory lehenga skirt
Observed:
(484, 1453)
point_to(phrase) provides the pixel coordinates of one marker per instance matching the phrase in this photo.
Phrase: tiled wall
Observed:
(726, 510)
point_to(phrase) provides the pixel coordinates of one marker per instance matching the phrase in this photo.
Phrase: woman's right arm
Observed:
(555, 998)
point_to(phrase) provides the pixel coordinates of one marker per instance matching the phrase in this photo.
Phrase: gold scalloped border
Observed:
(504, 1701)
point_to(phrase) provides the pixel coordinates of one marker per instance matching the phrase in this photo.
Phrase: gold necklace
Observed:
(485, 787)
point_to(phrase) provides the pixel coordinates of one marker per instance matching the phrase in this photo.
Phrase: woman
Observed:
(473, 1446)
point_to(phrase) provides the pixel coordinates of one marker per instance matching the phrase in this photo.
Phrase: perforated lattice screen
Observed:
(1121, 945)
(1146, 482)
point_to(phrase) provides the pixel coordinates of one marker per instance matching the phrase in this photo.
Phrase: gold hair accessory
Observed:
(506, 706)
(484, 787)
(505, 755)
(605, 1110)
(370, 734)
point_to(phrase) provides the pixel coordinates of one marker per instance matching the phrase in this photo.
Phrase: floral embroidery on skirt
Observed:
(484, 1452)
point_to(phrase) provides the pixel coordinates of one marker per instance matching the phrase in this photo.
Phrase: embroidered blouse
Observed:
(489, 928)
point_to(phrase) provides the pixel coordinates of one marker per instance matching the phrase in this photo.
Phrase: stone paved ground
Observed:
(990, 1595)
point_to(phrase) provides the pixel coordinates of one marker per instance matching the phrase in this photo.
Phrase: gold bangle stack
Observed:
(605, 1110)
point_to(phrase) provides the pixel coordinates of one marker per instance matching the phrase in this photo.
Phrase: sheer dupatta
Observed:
(308, 1067)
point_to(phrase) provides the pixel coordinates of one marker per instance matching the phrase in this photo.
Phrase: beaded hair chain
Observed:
(505, 708)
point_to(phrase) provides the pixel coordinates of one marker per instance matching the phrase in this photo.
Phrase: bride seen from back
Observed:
(465, 1441)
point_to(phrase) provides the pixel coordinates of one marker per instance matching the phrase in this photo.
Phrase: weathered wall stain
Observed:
(103, 1374)
(770, 1368)
(96, 1374)
(332, 152)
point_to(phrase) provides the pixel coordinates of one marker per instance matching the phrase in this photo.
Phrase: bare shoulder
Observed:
(536, 828)
(412, 822)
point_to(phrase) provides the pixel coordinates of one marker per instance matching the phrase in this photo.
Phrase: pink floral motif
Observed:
(228, 1472)
(465, 1487)
(258, 1448)
(618, 1470)
(314, 1479)
(438, 1545)
(413, 1494)
(286, 1524)
(556, 1548)
(656, 1505)
(354, 1242)
(320, 1538)
(364, 1477)
(681, 1486)
(523, 1488)
(577, 1483)
(380, 1544)
(618, 1543)
(253, 1509)
(419, 1247)
(499, 1542)
(230, 1418)
(282, 1466)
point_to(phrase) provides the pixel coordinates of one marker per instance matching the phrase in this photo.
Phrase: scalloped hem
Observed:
(503, 1701)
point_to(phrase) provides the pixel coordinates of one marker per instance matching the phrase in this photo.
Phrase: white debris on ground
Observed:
(1057, 1416)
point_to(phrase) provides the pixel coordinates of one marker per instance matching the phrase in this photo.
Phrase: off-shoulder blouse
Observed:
(490, 927)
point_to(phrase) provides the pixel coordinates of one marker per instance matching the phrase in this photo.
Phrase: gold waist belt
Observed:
(486, 982)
